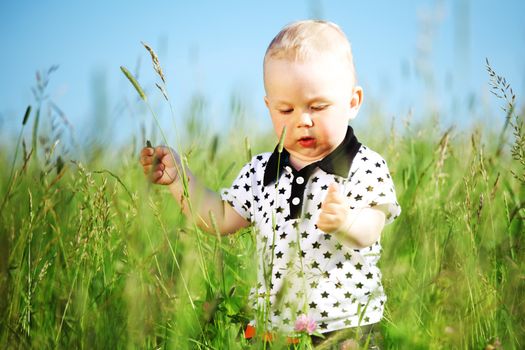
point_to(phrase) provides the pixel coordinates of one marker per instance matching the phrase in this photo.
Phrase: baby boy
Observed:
(319, 204)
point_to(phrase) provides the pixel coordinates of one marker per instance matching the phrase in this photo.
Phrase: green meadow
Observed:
(94, 257)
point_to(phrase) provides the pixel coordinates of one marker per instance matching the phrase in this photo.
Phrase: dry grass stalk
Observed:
(156, 64)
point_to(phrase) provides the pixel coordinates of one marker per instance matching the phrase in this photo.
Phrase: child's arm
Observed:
(161, 168)
(358, 228)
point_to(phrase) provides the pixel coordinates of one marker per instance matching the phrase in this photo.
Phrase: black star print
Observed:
(327, 255)
(266, 195)
(282, 191)
(316, 245)
(338, 285)
(378, 165)
(348, 295)
(283, 235)
(379, 179)
(248, 204)
(358, 197)
(279, 255)
(358, 266)
(339, 246)
(315, 179)
(324, 187)
(277, 227)
(235, 187)
(348, 322)
(278, 275)
(339, 265)
(295, 224)
(310, 196)
(307, 216)
(323, 325)
(252, 170)
(302, 253)
(324, 294)
(369, 275)
(369, 188)
(372, 203)
(359, 285)
(277, 313)
(246, 187)
(314, 284)
(319, 205)
(364, 158)
(279, 210)
(326, 274)
(324, 314)
(304, 234)
(368, 171)
(255, 198)
(348, 275)
(337, 304)
(312, 305)
(327, 237)
(315, 265)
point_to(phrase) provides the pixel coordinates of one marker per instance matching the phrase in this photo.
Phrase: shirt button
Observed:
(296, 201)
(299, 180)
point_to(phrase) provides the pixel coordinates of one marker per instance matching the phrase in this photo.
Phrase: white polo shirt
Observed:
(303, 269)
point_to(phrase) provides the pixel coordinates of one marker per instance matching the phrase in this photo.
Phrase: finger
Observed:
(333, 198)
(334, 187)
(326, 219)
(146, 151)
(146, 160)
(161, 151)
(332, 208)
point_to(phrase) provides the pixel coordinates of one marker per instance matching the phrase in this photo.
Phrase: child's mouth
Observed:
(307, 141)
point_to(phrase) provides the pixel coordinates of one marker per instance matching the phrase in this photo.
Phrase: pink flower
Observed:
(305, 323)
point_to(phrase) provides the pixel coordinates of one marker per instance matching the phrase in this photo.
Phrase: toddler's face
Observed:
(315, 100)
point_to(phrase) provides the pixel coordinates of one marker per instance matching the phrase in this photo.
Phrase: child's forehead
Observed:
(328, 64)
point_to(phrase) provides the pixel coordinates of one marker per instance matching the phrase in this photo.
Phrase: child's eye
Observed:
(319, 107)
(286, 111)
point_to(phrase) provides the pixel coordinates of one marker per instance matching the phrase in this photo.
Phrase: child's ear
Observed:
(356, 101)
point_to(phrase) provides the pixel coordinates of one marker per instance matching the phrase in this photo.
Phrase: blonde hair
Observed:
(303, 40)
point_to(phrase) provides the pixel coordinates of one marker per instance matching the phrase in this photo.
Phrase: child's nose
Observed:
(306, 120)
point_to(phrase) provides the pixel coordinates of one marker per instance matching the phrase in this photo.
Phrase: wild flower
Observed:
(305, 323)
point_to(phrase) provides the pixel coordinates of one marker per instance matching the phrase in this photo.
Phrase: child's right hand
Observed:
(159, 165)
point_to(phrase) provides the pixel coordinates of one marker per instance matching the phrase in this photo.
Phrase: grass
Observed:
(91, 256)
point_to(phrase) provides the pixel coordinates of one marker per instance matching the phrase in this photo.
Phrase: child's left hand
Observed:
(334, 211)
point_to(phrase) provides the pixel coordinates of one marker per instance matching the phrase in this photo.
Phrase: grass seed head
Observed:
(26, 115)
(156, 63)
(134, 82)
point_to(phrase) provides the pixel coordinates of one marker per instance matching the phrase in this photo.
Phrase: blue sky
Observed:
(215, 48)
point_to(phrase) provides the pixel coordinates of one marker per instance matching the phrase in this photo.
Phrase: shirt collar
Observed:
(337, 163)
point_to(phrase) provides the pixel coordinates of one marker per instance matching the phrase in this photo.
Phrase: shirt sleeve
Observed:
(375, 187)
(240, 195)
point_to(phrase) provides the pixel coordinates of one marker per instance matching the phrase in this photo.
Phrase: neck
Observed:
(298, 164)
